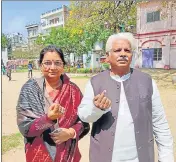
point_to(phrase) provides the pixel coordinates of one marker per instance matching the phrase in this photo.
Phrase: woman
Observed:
(47, 112)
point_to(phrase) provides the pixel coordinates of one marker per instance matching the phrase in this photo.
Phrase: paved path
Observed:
(10, 92)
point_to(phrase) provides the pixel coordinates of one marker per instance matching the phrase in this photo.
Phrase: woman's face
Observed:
(52, 65)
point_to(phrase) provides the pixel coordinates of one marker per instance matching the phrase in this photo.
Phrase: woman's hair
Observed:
(126, 35)
(51, 48)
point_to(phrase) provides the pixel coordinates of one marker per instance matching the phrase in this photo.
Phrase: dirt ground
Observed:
(10, 93)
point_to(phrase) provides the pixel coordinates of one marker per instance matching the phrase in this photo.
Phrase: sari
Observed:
(35, 126)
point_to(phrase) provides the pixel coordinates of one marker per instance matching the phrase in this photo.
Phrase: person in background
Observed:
(9, 71)
(3, 70)
(78, 65)
(125, 108)
(30, 67)
(47, 112)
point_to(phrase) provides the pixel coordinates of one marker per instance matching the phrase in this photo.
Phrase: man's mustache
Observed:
(123, 58)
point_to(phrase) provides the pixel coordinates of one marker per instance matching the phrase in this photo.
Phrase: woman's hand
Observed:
(55, 111)
(63, 135)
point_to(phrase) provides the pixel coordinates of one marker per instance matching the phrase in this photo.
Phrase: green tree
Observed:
(62, 37)
(112, 13)
(4, 41)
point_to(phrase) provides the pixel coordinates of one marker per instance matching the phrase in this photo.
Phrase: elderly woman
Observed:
(47, 112)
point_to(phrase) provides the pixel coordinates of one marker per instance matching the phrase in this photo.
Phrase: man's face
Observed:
(120, 54)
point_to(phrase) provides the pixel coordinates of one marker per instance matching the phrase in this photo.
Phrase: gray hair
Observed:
(126, 35)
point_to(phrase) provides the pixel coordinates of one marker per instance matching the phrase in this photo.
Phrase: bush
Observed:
(24, 66)
(75, 70)
(82, 70)
(105, 66)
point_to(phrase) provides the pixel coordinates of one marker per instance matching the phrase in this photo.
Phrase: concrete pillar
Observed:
(95, 60)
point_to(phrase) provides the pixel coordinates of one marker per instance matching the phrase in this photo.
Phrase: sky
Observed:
(17, 14)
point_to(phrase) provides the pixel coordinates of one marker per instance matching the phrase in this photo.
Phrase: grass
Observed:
(11, 141)
(24, 70)
(79, 77)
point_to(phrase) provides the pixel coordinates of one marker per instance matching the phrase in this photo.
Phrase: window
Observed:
(157, 54)
(30, 33)
(153, 16)
(51, 21)
(34, 32)
(56, 20)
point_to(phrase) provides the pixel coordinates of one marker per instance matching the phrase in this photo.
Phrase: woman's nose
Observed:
(52, 65)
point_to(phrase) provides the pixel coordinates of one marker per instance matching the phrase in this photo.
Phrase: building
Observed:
(33, 32)
(156, 35)
(54, 18)
(16, 40)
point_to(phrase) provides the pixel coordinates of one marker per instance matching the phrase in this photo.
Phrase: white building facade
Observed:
(54, 18)
(33, 32)
(16, 40)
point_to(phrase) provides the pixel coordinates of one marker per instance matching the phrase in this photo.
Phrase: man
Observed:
(30, 70)
(126, 110)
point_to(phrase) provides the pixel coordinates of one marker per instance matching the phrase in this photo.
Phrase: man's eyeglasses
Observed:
(48, 64)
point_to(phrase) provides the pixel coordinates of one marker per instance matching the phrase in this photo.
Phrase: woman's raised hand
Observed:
(55, 111)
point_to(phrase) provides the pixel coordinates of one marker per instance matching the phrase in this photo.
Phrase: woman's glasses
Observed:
(48, 64)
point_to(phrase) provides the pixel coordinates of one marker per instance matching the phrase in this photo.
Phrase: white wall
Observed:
(85, 63)
(5, 56)
(173, 57)
(95, 60)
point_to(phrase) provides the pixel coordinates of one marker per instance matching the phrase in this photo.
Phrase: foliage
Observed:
(89, 22)
(105, 66)
(31, 53)
(61, 37)
(84, 70)
(112, 14)
(4, 41)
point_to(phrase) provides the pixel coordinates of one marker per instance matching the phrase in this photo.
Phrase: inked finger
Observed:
(101, 96)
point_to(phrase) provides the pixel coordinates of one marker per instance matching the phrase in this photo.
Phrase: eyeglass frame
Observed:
(55, 66)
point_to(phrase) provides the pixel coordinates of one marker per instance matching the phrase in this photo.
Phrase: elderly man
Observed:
(125, 108)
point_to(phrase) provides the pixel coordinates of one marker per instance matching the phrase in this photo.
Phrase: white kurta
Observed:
(124, 144)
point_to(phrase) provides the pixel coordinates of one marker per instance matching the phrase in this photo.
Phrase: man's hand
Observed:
(55, 111)
(102, 102)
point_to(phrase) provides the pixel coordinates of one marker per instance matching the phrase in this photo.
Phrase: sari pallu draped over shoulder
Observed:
(34, 124)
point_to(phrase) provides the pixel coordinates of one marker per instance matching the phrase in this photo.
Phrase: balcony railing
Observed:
(52, 24)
